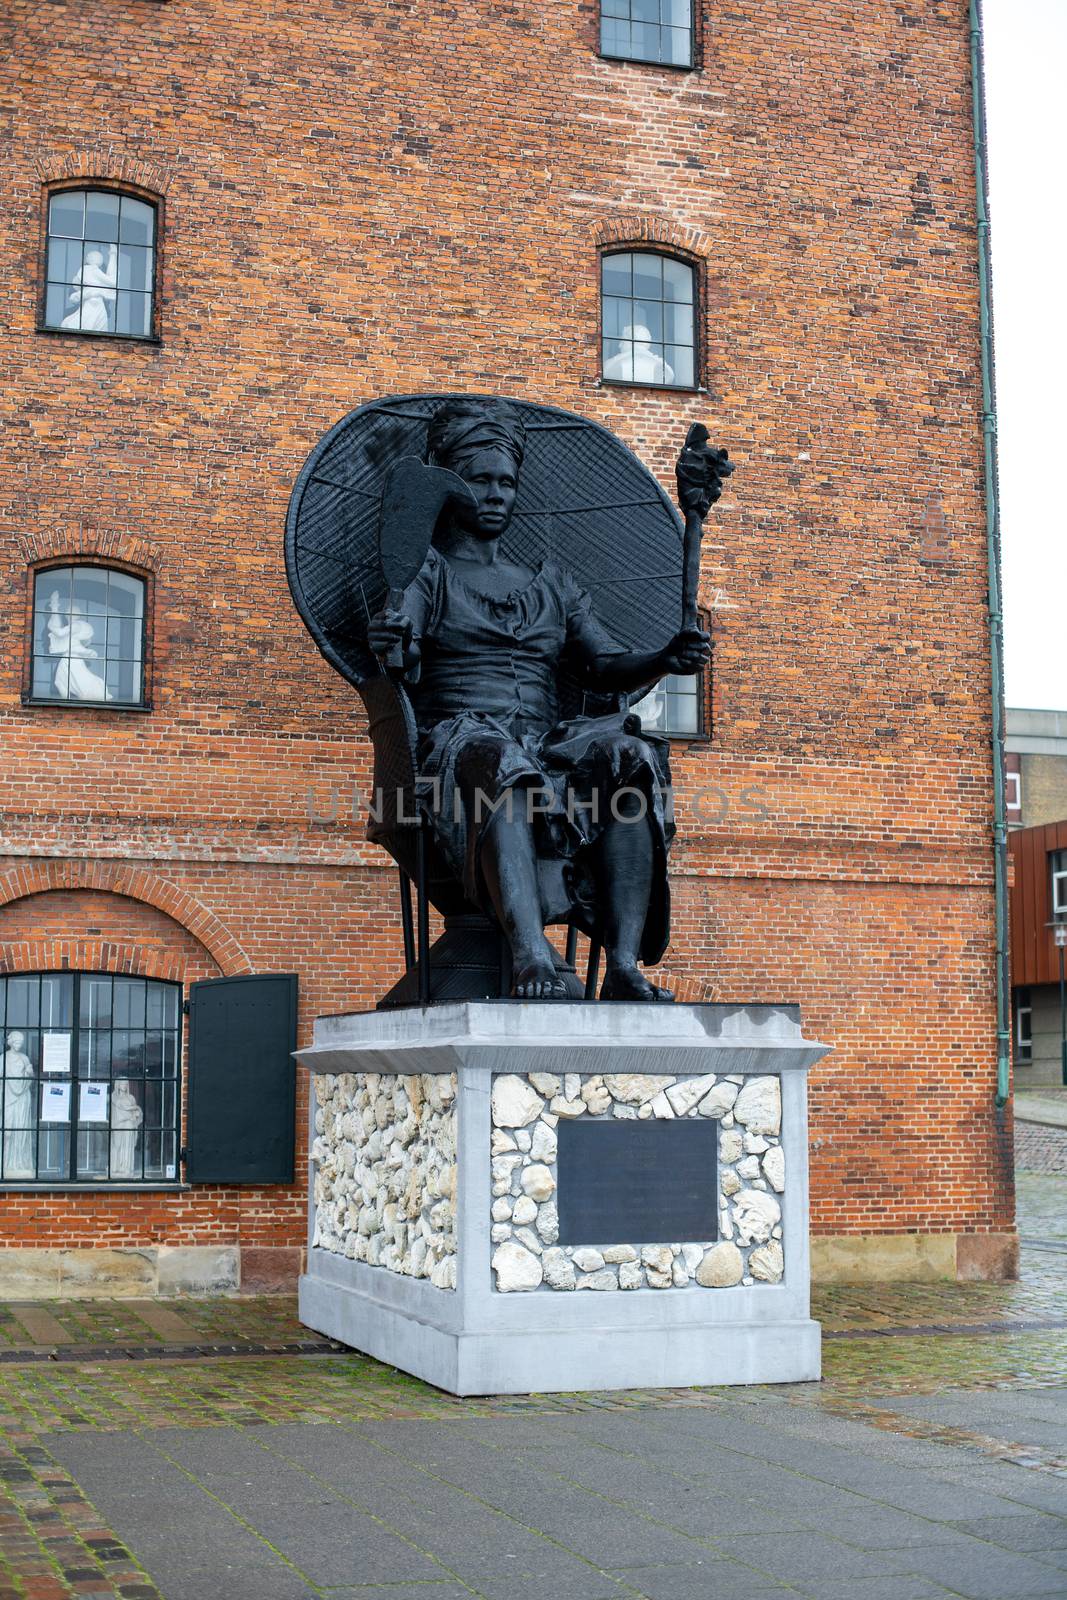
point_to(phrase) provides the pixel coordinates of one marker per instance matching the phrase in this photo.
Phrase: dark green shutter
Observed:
(241, 1125)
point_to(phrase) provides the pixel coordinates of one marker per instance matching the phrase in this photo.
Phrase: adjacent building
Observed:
(226, 223)
(1036, 761)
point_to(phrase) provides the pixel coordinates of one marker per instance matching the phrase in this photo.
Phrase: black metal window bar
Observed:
(656, 31)
(91, 1080)
(88, 636)
(100, 270)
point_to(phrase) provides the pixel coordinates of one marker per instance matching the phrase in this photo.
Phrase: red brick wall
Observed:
(386, 198)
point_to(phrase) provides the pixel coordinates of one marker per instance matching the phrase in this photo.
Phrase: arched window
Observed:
(90, 1079)
(100, 270)
(88, 636)
(660, 31)
(648, 320)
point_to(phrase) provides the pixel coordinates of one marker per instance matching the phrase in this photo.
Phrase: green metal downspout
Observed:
(992, 503)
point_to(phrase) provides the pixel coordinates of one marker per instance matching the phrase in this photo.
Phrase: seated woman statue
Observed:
(542, 820)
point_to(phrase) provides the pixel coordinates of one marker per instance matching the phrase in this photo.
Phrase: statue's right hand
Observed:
(387, 629)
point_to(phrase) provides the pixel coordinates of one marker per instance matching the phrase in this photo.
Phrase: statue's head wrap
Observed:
(459, 428)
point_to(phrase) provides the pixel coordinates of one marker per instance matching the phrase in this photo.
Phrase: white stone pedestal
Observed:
(434, 1223)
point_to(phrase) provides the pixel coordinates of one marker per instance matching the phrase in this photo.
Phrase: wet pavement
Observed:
(203, 1449)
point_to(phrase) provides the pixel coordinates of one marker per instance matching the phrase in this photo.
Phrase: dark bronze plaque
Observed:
(635, 1182)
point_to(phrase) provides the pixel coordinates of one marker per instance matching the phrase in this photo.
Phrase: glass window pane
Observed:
(678, 47)
(135, 268)
(129, 1002)
(94, 1009)
(171, 997)
(66, 214)
(652, 709)
(133, 315)
(678, 323)
(23, 1002)
(92, 1152)
(55, 306)
(646, 41)
(618, 360)
(681, 360)
(101, 216)
(677, 280)
(136, 222)
(644, 10)
(64, 261)
(57, 1001)
(648, 277)
(615, 37)
(89, 590)
(53, 1153)
(125, 594)
(648, 315)
(615, 8)
(617, 275)
(676, 13)
(617, 316)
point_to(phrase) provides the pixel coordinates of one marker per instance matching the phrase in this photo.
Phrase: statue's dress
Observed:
(486, 701)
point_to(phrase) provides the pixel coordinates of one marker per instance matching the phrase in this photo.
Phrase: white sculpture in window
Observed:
(18, 1109)
(637, 362)
(126, 1118)
(93, 291)
(72, 640)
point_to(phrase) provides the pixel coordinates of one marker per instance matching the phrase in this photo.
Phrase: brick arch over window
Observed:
(83, 540)
(105, 166)
(135, 883)
(635, 229)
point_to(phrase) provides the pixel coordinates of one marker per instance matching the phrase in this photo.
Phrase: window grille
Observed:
(100, 270)
(88, 636)
(648, 319)
(657, 31)
(91, 1079)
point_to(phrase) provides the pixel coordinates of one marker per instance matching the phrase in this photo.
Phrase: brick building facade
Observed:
(394, 198)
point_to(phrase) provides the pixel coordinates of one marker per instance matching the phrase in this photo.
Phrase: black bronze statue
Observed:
(539, 812)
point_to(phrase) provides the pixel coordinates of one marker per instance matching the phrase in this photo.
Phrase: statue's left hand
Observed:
(688, 652)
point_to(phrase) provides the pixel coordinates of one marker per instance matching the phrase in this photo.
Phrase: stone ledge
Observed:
(146, 1271)
(914, 1257)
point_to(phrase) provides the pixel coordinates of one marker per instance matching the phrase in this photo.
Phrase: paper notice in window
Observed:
(92, 1102)
(55, 1052)
(55, 1102)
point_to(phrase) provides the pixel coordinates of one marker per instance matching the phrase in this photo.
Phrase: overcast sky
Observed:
(1025, 61)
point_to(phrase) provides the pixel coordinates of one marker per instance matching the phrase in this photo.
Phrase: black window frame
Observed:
(692, 65)
(693, 266)
(122, 191)
(76, 563)
(71, 1181)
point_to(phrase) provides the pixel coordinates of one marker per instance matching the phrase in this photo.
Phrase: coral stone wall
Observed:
(358, 200)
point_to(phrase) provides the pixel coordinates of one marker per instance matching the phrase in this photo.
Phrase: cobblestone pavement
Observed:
(215, 1450)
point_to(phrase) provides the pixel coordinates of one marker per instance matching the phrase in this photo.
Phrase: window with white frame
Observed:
(90, 1078)
(656, 31)
(88, 636)
(1024, 1031)
(100, 266)
(1013, 792)
(1058, 863)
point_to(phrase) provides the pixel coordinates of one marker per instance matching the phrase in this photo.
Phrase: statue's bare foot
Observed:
(538, 979)
(629, 983)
